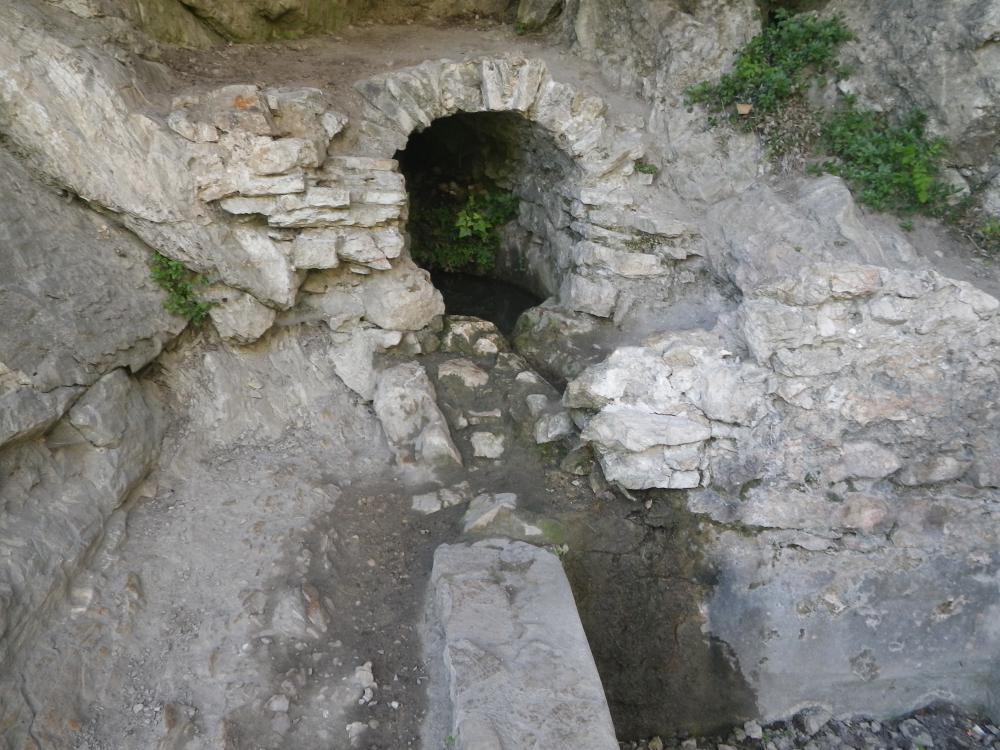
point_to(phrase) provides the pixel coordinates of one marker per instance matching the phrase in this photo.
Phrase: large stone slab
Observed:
(57, 494)
(517, 663)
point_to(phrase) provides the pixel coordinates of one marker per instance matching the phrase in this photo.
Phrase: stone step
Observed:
(511, 666)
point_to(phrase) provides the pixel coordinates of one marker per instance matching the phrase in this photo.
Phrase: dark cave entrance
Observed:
(474, 182)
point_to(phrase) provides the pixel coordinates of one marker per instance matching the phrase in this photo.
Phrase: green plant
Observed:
(464, 235)
(180, 284)
(890, 166)
(643, 167)
(774, 66)
(986, 235)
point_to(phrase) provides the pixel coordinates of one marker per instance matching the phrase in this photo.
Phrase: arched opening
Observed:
(486, 200)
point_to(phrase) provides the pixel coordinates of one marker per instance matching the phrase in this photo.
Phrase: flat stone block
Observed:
(517, 663)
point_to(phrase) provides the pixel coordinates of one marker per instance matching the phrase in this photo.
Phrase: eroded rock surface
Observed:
(519, 669)
(804, 410)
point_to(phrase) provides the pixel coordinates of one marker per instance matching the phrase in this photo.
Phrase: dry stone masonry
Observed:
(776, 415)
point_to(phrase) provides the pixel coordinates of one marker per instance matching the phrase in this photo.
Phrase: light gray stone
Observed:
(406, 405)
(932, 470)
(315, 248)
(76, 299)
(282, 155)
(631, 429)
(60, 492)
(487, 445)
(584, 294)
(486, 508)
(100, 426)
(552, 427)
(241, 319)
(465, 371)
(507, 603)
(353, 357)
(197, 132)
(401, 299)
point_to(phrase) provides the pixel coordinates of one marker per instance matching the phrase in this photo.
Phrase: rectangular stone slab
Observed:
(518, 667)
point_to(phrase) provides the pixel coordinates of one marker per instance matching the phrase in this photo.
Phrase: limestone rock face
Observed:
(648, 46)
(512, 649)
(118, 157)
(239, 318)
(165, 20)
(261, 20)
(760, 235)
(940, 59)
(532, 14)
(59, 491)
(64, 324)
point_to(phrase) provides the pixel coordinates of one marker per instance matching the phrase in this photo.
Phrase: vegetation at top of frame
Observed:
(888, 159)
(180, 284)
(774, 66)
(460, 230)
(890, 166)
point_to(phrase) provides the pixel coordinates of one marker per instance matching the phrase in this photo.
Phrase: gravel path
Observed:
(937, 726)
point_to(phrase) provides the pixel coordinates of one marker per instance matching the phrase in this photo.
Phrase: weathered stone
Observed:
(64, 490)
(487, 445)
(301, 113)
(64, 325)
(551, 427)
(353, 358)
(198, 132)
(401, 299)
(631, 429)
(282, 155)
(465, 371)
(932, 470)
(866, 460)
(315, 248)
(406, 405)
(236, 107)
(501, 602)
(594, 296)
(241, 319)
(357, 216)
(484, 510)
(316, 197)
(278, 278)
(100, 426)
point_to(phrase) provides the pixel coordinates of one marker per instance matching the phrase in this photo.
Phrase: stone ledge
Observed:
(518, 667)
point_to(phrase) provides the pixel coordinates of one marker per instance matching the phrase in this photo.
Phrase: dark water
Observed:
(499, 302)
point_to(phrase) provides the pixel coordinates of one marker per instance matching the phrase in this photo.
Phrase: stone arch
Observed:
(402, 101)
(593, 225)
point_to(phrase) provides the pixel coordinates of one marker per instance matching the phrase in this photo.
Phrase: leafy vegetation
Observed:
(455, 234)
(888, 159)
(180, 285)
(985, 234)
(775, 66)
(890, 166)
(644, 167)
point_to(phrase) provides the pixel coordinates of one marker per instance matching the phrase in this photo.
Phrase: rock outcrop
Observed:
(818, 403)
